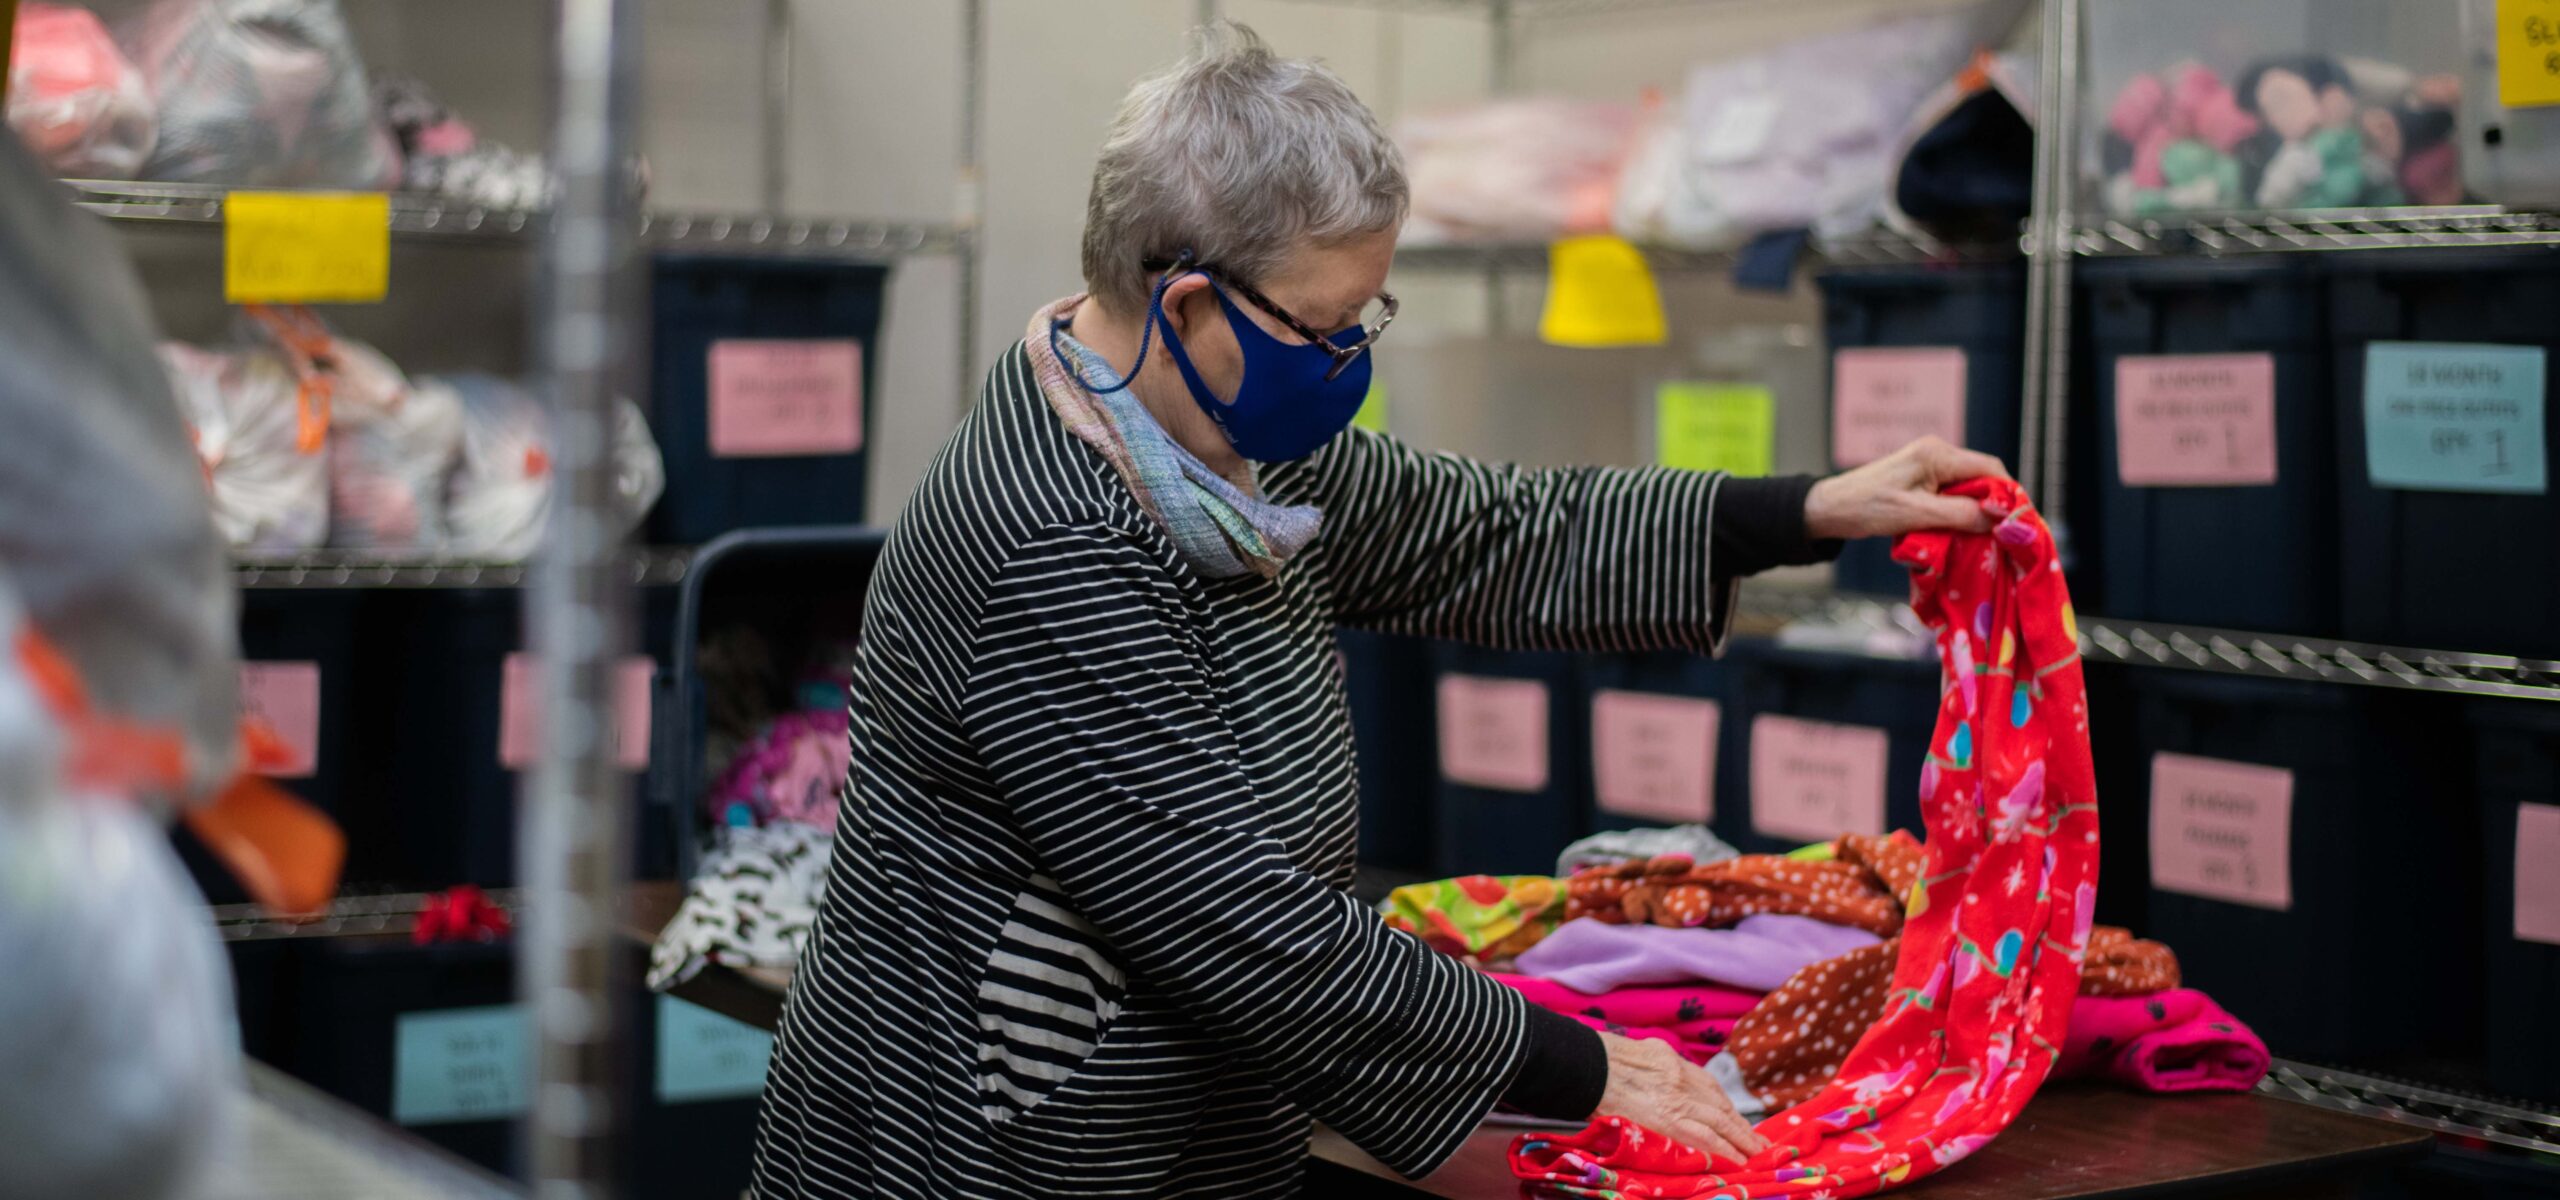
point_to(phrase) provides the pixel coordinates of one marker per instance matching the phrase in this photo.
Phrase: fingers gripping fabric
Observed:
(1990, 959)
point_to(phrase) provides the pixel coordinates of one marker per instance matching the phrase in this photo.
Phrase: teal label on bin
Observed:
(705, 1056)
(459, 1064)
(2454, 418)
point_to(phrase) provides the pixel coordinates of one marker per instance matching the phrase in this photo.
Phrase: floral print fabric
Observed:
(1481, 918)
(1990, 950)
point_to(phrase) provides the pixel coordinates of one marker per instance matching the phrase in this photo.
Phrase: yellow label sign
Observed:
(1373, 408)
(306, 247)
(2528, 53)
(1716, 427)
(1600, 293)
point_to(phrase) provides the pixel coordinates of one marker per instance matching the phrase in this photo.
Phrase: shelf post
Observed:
(780, 34)
(1502, 76)
(574, 812)
(968, 198)
(2045, 390)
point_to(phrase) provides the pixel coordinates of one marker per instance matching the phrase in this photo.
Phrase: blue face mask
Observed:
(1285, 409)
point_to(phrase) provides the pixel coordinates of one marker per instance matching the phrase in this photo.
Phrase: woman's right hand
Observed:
(1651, 1085)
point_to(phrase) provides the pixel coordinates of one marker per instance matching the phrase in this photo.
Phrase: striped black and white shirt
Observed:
(1087, 930)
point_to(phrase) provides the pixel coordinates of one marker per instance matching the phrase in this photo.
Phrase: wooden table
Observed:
(2076, 1141)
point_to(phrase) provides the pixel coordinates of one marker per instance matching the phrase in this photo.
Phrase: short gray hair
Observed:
(1240, 156)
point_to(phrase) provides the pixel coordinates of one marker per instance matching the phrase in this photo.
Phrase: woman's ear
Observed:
(1184, 297)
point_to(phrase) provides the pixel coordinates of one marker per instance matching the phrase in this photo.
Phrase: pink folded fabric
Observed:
(1696, 1019)
(2173, 1041)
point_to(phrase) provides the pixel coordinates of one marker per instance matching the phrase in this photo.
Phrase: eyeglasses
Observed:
(1374, 316)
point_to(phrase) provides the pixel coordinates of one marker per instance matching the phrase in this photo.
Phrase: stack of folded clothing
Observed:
(1766, 969)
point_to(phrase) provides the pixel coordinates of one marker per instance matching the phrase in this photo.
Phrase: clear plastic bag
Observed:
(1801, 135)
(264, 93)
(1515, 170)
(102, 502)
(500, 494)
(387, 471)
(270, 483)
(74, 98)
(116, 1034)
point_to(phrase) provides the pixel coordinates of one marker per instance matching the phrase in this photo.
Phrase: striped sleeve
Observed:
(1568, 558)
(1093, 709)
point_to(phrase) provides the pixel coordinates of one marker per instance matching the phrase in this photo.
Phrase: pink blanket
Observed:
(2173, 1041)
(1695, 1018)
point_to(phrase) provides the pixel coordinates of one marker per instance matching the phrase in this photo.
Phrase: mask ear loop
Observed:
(1155, 309)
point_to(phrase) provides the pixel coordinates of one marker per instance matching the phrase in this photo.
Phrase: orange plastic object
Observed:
(286, 853)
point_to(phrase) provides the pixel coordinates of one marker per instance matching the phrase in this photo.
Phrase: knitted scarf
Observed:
(1222, 528)
(1982, 989)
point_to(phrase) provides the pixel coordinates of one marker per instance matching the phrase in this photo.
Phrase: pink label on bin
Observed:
(1493, 732)
(285, 696)
(2222, 830)
(2196, 420)
(2538, 873)
(520, 712)
(772, 398)
(1654, 757)
(1884, 398)
(1816, 780)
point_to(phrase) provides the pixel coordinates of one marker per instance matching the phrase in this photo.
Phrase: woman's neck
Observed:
(1159, 387)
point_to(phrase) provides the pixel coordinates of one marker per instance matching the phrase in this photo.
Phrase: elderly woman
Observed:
(1087, 930)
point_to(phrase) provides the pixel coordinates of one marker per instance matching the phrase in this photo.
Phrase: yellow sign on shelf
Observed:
(306, 247)
(1373, 407)
(2528, 53)
(1601, 294)
(1716, 427)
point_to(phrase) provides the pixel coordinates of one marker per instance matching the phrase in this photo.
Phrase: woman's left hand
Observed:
(1898, 494)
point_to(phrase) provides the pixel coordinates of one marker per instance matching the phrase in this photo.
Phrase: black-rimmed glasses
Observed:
(1374, 317)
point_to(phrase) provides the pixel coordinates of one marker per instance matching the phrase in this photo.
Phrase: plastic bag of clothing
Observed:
(102, 502)
(442, 153)
(117, 1036)
(500, 493)
(1801, 136)
(1515, 170)
(262, 93)
(1964, 169)
(270, 480)
(74, 98)
(387, 472)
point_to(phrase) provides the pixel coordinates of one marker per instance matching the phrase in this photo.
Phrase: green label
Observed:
(459, 1064)
(2455, 418)
(1716, 427)
(705, 1056)
(1373, 408)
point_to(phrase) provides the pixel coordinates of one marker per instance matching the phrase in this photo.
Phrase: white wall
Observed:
(876, 109)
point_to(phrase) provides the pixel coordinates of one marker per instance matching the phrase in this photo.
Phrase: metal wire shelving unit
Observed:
(652, 567)
(1877, 247)
(2462, 1114)
(2228, 651)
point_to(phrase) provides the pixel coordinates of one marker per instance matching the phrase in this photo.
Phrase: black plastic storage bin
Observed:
(1856, 703)
(351, 999)
(797, 589)
(1388, 680)
(2457, 570)
(2516, 763)
(1642, 750)
(1506, 805)
(689, 1141)
(287, 628)
(1979, 309)
(434, 740)
(2244, 557)
(698, 301)
(2366, 964)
